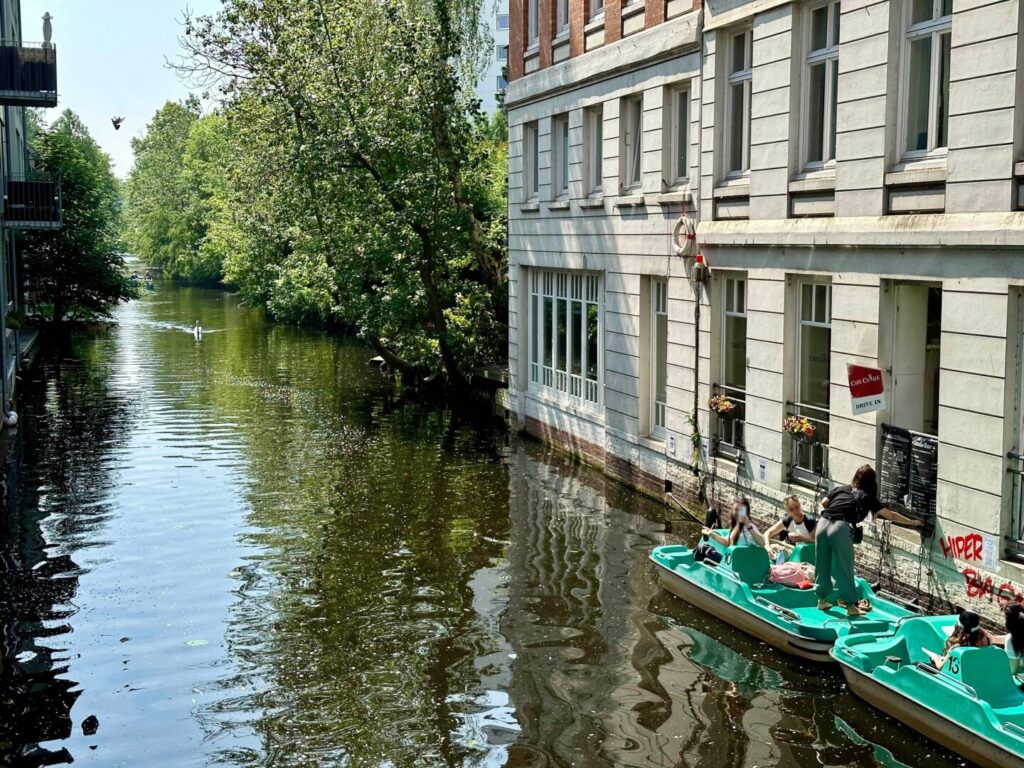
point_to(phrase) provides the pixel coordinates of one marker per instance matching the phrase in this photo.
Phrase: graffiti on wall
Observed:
(983, 587)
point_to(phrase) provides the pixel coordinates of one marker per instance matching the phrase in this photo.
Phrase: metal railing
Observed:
(809, 457)
(32, 202)
(729, 429)
(28, 74)
(1015, 546)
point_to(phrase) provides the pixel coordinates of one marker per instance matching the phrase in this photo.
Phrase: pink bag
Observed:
(799, 575)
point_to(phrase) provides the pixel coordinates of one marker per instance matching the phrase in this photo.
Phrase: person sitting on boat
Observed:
(795, 527)
(844, 508)
(743, 530)
(1014, 637)
(967, 633)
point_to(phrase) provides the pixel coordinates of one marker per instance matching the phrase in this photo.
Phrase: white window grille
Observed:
(737, 103)
(821, 79)
(924, 102)
(659, 354)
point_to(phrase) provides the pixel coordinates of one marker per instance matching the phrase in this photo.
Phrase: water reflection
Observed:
(250, 551)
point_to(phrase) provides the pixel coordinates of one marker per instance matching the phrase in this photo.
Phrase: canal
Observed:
(250, 552)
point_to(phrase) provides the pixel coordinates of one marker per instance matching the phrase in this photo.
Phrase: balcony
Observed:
(809, 456)
(28, 74)
(32, 202)
(729, 429)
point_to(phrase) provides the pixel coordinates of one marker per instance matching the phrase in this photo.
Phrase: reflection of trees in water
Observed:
(57, 473)
(353, 629)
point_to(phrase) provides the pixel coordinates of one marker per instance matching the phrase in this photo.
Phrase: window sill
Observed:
(532, 50)
(632, 9)
(678, 197)
(733, 188)
(562, 36)
(819, 182)
(531, 207)
(925, 172)
(594, 25)
(1018, 169)
(561, 401)
(596, 201)
(558, 205)
(629, 201)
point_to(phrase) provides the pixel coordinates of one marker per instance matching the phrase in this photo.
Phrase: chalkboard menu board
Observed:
(894, 472)
(908, 476)
(924, 464)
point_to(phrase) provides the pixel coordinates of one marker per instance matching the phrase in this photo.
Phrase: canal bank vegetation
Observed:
(347, 176)
(76, 272)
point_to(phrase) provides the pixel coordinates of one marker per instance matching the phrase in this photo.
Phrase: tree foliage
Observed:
(363, 186)
(76, 272)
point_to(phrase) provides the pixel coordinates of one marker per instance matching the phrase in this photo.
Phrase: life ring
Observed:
(683, 237)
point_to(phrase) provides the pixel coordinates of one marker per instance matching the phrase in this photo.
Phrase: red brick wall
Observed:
(612, 21)
(547, 20)
(516, 38)
(654, 13)
(577, 20)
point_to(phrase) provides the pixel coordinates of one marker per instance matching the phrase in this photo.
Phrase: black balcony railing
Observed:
(809, 456)
(32, 203)
(1015, 548)
(729, 430)
(28, 74)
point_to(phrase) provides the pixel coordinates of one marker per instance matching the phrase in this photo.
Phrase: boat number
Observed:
(954, 665)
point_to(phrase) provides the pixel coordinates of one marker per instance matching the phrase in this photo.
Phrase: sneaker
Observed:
(853, 611)
(824, 605)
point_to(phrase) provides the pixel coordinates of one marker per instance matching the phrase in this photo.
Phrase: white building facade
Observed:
(852, 170)
(491, 88)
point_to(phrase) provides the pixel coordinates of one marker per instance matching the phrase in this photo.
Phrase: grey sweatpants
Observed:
(834, 560)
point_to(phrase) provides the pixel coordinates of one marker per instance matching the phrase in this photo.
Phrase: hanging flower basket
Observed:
(723, 407)
(800, 428)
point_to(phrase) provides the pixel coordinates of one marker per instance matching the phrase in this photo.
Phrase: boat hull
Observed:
(714, 604)
(939, 729)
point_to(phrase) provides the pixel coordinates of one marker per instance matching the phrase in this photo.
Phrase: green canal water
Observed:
(250, 552)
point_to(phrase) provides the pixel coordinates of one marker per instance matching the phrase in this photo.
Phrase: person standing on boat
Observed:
(845, 507)
(743, 530)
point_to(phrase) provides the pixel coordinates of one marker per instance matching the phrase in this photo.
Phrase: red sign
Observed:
(866, 388)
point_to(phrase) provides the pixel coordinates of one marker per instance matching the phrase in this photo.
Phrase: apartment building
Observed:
(28, 78)
(852, 173)
(491, 88)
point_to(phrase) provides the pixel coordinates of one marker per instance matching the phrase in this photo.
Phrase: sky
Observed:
(111, 60)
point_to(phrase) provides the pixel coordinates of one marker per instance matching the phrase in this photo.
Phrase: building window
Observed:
(631, 127)
(531, 161)
(659, 355)
(737, 104)
(925, 76)
(593, 137)
(502, 22)
(1016, 456)
(501, 83)
(560, 157)
(565, 325)
(733, 367)
(562, 13)
(821, 77)
(813, 361)
(532, 23)
(677, 132)
(596, 8)
(502, 53)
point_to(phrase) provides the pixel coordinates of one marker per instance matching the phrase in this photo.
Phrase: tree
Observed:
(76, 272)
(375, 188)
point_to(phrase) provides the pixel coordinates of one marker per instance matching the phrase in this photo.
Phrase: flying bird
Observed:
(117, 122)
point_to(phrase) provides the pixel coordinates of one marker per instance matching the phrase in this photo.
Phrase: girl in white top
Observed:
(797, 526)
(1014, 637)
(743, 530)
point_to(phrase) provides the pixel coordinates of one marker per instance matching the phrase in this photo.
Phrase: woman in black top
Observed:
(845, 507)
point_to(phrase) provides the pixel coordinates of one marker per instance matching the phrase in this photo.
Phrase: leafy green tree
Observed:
(373, 190)
(76, 273)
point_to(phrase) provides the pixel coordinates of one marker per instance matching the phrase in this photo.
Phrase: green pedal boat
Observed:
(973, 705)
(738, 591)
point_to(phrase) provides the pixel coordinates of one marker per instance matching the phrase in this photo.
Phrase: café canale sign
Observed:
(866, 388)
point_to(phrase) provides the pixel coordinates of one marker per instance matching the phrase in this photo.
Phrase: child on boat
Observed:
(967, 633)
(1014, 637)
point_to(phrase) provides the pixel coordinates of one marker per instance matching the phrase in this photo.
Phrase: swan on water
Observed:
(197, 332)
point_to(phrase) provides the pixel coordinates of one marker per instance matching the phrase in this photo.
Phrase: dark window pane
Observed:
(917, 93)
(816, 112)
(942, 139)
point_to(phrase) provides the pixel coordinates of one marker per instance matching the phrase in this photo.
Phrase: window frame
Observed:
(560, 157)
(800, 473)
(631, 152)
(532, 24)
(595, 9)
(593, 138)
(497, 22)
(561, 17)
(829, 56)
(531, 161)
(935, 28)
(737, 284)
(573, 287)
(678, 136)
(659, 308)
(745, 79)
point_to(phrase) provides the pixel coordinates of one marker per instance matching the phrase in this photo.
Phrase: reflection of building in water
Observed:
(599, 679)
(35, 701)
